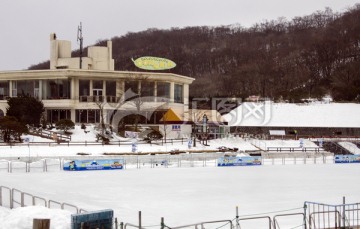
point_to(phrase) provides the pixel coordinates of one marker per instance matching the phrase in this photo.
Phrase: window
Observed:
(55, 115)
(25, 88)
(111, 88)
(111, 91)
(163, 90)
(178, 93)
(14, 89)
(97, 87)
(56, 89)
(130, 88)
(87, 116)
(4, 89)
(84, 90)
(84, 87)
(132, 85)
(147, 91)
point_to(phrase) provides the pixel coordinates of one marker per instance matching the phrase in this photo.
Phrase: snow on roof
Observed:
(269, 114)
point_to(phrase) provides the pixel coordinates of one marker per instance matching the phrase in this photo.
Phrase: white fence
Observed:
(167, 161)
(12, 198)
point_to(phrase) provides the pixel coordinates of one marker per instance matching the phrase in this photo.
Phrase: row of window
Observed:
(60, 89)
(93, 116)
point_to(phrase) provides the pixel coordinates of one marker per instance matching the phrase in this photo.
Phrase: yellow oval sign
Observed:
(153, 63)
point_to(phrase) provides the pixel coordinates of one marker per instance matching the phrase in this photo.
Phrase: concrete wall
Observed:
(184, 132)
(99, 58)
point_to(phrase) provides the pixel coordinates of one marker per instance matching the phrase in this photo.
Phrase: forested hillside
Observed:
(308, 56)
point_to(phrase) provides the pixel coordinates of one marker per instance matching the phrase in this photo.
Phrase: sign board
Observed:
(301, 142)
(190, 143)
(97, 219)
(321, 142)
(277, 132)
(347, 158)
(153, 63)
(133, 147)
(176, 128)
(131, 134)
(81, 165)
(239, 161)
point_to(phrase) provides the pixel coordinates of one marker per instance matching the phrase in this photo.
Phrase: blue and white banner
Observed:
(239, 161)
(80, 165)
(347, 158)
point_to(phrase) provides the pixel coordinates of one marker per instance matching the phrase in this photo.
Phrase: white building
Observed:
(69, 92)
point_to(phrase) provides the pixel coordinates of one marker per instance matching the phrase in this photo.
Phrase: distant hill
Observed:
(306, 57)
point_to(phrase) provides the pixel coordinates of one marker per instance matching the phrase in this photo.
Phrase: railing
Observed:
(66, 141)
(332, 216)
(4, 165)
(48, 134)
(295, 149)
(2, 188)
(256, 218)
(314, 215)
(296, 158)
(202, 224)
(99, 99)
(153, 160)
(276, 224)
(23, 199)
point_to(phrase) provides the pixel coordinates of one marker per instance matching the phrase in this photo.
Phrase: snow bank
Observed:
(22, 217)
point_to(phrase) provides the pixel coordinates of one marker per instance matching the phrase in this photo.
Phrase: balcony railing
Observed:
(99, 99)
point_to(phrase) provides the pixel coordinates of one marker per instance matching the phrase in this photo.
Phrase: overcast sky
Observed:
(26, 25)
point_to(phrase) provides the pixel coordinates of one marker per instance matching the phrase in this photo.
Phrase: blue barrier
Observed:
(347, 158)
(81, 165)
(239, 161)
(97, 219)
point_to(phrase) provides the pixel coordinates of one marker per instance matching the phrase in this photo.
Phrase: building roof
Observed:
(66, 73)
(269, 114)
(171, 116)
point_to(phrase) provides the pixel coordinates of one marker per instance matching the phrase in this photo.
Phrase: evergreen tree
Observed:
(11, 127)
(65, 125)
(25, 109)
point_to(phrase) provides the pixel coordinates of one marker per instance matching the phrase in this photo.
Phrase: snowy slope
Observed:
(351, 147)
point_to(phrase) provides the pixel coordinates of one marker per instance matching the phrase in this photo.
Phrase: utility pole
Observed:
(80, 40)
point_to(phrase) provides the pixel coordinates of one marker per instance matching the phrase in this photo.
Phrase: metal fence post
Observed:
(305, 206)
(22, 200)
(237, 217)
(162, 225)
(41, 223)
(116, 223)
(343, 218)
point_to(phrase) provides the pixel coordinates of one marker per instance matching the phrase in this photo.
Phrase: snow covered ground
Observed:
(180, 195)
(184, 195)
(80, 136)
